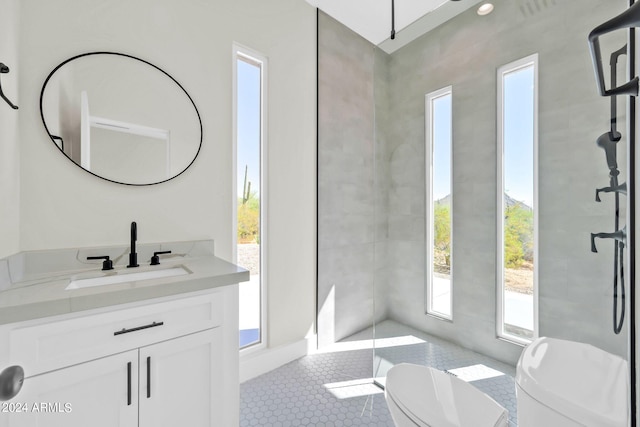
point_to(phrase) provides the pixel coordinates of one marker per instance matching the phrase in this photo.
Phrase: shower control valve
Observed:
(620, 235)
(621, 189)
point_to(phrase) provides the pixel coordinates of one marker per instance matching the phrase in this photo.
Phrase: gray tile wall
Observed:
(347, 219)
(575, 285)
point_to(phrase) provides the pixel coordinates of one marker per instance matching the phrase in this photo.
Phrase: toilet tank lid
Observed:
(578, 380)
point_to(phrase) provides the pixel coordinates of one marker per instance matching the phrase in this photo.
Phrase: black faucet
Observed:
(133, 256)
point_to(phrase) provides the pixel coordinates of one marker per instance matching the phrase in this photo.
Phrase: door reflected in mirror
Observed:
(121, 118)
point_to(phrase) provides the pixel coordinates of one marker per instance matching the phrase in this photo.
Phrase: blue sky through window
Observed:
(248, 116)
(518, 134)
(518, 138)
(441, 111)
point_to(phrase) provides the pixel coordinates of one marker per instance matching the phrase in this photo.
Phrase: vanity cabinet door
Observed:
(181, 382)
(100, 393)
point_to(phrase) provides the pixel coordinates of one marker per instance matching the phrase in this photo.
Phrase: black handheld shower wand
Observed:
(608, 141)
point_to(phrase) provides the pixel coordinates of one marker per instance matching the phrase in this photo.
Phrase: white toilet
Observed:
(565, 384)
(559, 383)
(426, 397)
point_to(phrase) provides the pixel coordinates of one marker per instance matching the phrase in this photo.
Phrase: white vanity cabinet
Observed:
(89, 394)
(167, 362)
(180, 382)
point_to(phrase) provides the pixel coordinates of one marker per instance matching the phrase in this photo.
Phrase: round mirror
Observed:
(121, 118)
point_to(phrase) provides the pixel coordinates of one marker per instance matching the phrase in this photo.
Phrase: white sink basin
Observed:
(126, 276)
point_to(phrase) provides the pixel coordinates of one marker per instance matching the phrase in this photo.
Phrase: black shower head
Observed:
(3, 68)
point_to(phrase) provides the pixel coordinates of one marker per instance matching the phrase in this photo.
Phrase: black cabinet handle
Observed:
(148, 377)
(139, 328)
(129, 384)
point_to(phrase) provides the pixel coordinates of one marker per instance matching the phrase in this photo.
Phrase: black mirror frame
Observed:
(52, 137)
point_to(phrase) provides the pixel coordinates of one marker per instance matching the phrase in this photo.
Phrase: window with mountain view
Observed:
(249, 100)
(517, 200)
(439, 202)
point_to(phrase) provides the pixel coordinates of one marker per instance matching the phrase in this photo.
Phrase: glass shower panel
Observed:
(347, 223)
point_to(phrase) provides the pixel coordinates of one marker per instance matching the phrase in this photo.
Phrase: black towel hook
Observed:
(4, 70)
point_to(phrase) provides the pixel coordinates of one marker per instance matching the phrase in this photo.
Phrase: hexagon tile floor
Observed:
(334, 386)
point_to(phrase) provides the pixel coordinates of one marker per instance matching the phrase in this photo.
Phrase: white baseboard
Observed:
(267, 359)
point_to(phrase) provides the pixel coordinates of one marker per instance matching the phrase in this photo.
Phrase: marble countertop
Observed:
(40, 294)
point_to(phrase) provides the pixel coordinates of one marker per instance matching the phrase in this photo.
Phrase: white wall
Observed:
(9, 147)
(63, 206)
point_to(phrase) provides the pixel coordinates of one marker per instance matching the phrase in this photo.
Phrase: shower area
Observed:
(457, 173)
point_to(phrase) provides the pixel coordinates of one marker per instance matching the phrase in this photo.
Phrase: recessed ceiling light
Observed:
(485, 9)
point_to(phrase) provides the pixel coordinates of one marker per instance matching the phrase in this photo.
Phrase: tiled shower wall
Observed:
(348, 222)
(575, 285)
(372, 175)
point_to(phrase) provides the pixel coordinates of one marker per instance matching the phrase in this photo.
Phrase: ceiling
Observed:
(372, 18)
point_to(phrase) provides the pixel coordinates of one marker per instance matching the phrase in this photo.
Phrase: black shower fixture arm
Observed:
(4, 70)
(613, 63)
(615, 55)
(627, 19)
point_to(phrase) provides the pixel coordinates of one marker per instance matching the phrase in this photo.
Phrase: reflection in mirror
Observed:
(121, 118)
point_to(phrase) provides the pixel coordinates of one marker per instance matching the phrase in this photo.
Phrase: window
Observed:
(249, 190)
(439, 202)
(517, 200)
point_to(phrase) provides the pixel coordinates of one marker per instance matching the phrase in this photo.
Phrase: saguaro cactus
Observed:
(246, 188)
